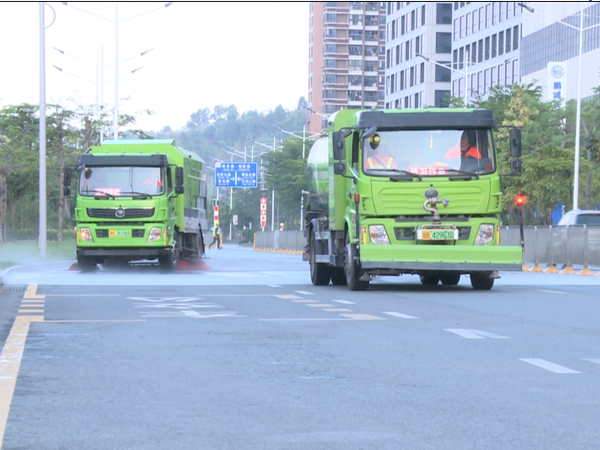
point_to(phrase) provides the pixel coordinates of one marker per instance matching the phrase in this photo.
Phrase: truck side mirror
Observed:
(67, 179)
(339, 168)
(179, 176)
(339, 145)
(179, 189)
(515, 165)
(515, 142)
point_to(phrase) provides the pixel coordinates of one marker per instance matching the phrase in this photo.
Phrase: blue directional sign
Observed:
(236, 174)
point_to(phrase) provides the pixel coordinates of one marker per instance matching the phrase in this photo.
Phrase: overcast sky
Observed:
(253, 55)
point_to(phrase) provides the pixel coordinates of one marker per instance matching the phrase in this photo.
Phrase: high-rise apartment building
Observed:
(413, 29)
(346, 67)
(486, 39)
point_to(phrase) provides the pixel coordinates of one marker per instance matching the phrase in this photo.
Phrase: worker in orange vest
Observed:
(379, 155)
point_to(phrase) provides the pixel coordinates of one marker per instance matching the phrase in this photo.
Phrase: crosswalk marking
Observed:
(548, 365)
(474, 334)
(402, 316)
(344, 302)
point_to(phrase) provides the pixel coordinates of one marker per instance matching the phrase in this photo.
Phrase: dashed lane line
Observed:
(319, 305)
(551, 292)
(474, 334)
(548, 365)
(344, 302)
(592, 360)
(402, 316)
(305, 292)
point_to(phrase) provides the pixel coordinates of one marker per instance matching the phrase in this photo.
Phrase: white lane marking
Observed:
(304, 292)
(344, 302)
(593, 360)
(273, 285)
(288, 297)
(551, 292)
(402, 316)
(548, 365)
(337, 309)
(475, 334)
(320, 305)
(361, 317)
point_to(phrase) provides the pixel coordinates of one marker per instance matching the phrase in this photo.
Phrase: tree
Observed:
(18, 137)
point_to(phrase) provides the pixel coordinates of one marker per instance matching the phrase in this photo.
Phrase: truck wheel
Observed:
(169, 261)
(450, 278)
(319, 272)
(86, 264)
(429, 279)
(481, 281)
(338, 276)
(353, 272)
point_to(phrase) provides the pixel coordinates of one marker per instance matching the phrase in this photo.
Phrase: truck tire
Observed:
(86, 264)
(320, 273)
(429, 279)
(338, 276)
(481, 281)
(450, 278)
(352, 270)
(169, 261)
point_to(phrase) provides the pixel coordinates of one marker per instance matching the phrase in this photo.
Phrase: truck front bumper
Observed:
(437, 257)
(135, 253)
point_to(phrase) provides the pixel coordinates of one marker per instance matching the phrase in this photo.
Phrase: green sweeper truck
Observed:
(407, 192)
(139, 200)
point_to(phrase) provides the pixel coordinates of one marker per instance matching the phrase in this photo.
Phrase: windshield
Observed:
(429, 152)
(121, 181)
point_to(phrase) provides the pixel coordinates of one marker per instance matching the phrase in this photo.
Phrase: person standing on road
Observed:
(216, 235)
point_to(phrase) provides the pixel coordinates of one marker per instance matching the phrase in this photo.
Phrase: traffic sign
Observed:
(236, 174)
(263, 212)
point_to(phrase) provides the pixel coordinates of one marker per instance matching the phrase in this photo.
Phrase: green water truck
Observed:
(430, 208)
(139, 200)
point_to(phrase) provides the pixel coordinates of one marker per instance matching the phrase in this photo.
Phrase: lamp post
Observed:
(42, 237)
(324, 116)
(578, 119)
(303, 138)
(116, 22)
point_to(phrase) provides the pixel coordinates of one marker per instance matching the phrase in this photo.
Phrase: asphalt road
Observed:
(247, 354)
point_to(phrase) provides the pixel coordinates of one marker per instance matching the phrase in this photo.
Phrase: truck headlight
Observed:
(378, 235)
(86, 234)
(155, 234)
(485, 234)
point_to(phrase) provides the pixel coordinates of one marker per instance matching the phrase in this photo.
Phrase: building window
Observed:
(502, 11)
(481, 19)
(516, 37)
(407, 51)
(494, 45)
(422, 73)
(330, 63)
(501, 43)
(455, 59)
(487, 80)
(356, 35)
(461, 57)
(397, 54)
(402, 80)
(515, 65)
(487, 48)
(402, 25)
(412, 76)
(355, 65)
(387, 59)
(443, 74)
(329, 79)
(488, 15)
(501, 75)
(468, 24)
(330, 17)
(417, 105)
(441, 99)
(418, 44)
(508, 40)
(473, 52)
(405, 102)
(443, 43)
(413, 20)
(508, 72)
(480, 82)
(494, 73)
(330, 32)
(480, 51)
(462, 27)
(328, 93)
(455, 29)
(494, 13)
(423, 15)
(355, 50)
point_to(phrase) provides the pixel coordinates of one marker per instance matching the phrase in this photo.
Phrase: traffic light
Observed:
(520, 200)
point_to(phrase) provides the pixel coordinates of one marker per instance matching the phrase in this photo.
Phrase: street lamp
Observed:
(578, 119)
(324, 116)
(465, 72)
(303, 138)
(42, 237)
(116, 22)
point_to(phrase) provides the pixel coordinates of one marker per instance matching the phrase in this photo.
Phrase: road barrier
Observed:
(551, 246)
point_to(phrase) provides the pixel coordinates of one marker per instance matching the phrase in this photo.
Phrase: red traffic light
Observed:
(520, 199)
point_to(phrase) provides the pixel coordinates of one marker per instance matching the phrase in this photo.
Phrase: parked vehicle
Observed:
(137, 200)
(581, 217)
(407, 192)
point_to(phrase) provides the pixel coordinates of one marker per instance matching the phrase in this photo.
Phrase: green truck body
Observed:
(433, 212)
(139, 200)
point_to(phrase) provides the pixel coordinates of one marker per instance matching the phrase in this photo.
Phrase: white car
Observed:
(580, 217)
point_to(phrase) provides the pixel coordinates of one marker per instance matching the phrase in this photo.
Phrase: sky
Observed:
(252, 55)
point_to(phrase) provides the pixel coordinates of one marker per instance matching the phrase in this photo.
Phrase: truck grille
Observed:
(408, 233)
(135, 233)
(130, 213)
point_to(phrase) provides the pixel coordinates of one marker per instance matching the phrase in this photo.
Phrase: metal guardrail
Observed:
(279, 240)
(547, 244)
